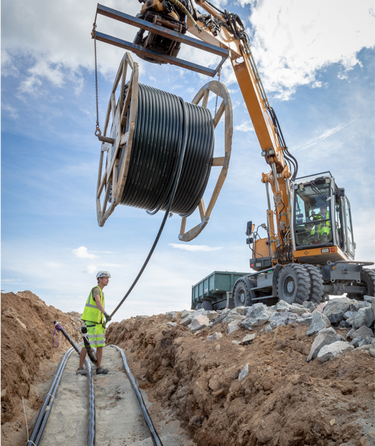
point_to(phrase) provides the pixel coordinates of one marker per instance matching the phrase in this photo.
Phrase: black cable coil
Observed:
(156, 146)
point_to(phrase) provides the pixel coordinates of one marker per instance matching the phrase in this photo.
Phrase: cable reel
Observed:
(139, 154)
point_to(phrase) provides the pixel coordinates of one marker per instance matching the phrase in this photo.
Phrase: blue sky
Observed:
(317, 66)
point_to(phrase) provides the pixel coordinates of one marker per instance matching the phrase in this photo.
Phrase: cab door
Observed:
(348, 228)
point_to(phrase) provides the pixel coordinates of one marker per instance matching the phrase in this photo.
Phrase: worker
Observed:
(324, 228)
(93, 316)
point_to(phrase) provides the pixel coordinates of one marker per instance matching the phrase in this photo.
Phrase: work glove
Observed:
(107, 317)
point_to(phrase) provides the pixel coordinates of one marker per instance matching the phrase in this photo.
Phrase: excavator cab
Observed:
(321, 219)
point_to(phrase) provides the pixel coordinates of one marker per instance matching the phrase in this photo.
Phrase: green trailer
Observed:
(211, 292)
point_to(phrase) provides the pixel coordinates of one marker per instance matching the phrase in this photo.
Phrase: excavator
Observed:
(308, 252)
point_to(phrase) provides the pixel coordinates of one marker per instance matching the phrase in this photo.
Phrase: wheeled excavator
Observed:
(309, 250)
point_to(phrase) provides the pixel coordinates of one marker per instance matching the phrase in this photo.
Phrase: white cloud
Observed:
(244, 127)
(91, 269)
(82, 253)
(326, 134)
(194, 248)
(293, 40)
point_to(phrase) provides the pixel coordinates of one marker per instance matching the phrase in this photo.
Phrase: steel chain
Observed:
(97, 129)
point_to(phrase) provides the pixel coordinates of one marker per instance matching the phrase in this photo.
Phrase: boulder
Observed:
(336, 308)
(170, 315)
(186, 320)
(185, 313)
(330, 351)
(233, 326)
(256, 316)
(362, 331)
(309, 305)
(282, 318)
(319, 322)
(220, 318)
(212, 315)
(282, 306)
(198, 321)
(349, 314)
(366, 341)
(325, 337)
(304, 321)
(244, 372)
(355, 342)
(364, 316)
(241, 310)
(298, 309)
(171, 324)
(248, 338)
(230, 317)
(266, 329)
(370, 300)
(214, 337)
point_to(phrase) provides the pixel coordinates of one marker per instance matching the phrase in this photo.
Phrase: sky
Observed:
(316, 60)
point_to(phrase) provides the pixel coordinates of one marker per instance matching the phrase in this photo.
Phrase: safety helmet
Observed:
(103, 274)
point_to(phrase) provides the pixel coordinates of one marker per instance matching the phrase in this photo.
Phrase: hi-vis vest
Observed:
(323, 228)
(91, 312)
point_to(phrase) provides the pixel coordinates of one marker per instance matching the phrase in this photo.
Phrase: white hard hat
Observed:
(103, 274)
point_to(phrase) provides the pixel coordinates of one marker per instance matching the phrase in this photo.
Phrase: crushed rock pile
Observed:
(280, 375)
(26, 347)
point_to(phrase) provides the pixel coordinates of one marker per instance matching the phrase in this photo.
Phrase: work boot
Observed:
(81, 371)
(101, 371)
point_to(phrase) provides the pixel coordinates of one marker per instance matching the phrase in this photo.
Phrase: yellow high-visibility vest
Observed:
(323, 228)
(91, 312)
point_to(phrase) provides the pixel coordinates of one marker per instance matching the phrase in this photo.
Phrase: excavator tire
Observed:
(317, 290)
(367, 280)
(294, 284)
(241, 293)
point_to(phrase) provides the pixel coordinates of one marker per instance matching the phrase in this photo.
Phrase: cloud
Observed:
(82, 253)
(326, 134)
(194, 248)
(306, 37)
(244, 127)
(91, 269)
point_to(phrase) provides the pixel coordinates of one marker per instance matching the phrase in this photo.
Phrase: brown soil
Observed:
(28, 358)
(283, 401)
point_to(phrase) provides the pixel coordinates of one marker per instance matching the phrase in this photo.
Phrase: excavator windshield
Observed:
(313, 214)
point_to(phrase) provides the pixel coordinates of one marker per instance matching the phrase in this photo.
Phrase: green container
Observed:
(214, 287)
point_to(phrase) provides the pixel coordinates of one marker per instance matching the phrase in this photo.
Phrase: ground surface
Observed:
(283, 401)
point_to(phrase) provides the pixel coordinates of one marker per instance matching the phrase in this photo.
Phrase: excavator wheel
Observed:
(241, 293)
(294, 284)
(317, 291)
(367, 280)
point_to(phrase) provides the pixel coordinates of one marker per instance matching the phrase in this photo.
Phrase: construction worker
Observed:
(322, 230)
(93, 316)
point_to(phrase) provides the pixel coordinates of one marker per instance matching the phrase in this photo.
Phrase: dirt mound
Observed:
(282, 401)
(26, 343)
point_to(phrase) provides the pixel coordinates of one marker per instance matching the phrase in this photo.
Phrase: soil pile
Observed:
(282, 400)
(27, 352)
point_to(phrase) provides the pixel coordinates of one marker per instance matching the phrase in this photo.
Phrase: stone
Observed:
(362, 331)
(185, 313)
(248, 338)
(364, 347)
(186, 320)
(214, 337)
(372, 351)
(172, 324)
(304, 321)
(366, 341)
(170, 315)
(330, 351)
(364, 316)
(212, 315)
(306, 315)
(336, 308)
(267, 329)
(233, 317)
(349, 314)
(371, 300)
(354, 305)
(233, 326)
(282, 318)
(220, 318)
(198, 321)
(344, 324)
(243, 373)
(241, 310)
(355, 342)
(325, 337)
(319, 322)
(236, 342)
(282, 306)
(298, 309)
(256, 316)
(309, 305)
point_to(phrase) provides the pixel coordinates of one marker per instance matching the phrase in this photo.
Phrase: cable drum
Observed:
(151, 133)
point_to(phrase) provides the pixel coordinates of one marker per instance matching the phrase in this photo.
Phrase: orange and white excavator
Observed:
(309, 249)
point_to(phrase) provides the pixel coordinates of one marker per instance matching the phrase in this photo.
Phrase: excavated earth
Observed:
(282, 401)
(196, 385)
